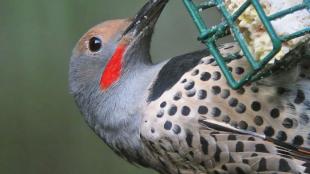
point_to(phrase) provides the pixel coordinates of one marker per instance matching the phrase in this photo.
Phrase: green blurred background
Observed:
(41, 130)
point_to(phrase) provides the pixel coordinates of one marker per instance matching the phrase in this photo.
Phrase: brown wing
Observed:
(200, 124)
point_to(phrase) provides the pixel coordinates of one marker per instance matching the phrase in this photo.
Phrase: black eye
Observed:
(95, 44)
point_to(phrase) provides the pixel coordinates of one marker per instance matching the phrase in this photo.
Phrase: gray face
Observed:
(111, 112)
(114, 112)
(92, 53)
(97, 46)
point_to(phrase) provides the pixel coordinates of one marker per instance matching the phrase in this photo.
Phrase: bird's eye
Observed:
(95, 44)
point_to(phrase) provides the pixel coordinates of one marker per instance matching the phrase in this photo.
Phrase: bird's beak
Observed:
(146, 17)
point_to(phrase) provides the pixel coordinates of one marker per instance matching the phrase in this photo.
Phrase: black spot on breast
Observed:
(202, 94)
(186, 110)
(269, 131)
(216, 112)
(239, 70)
(241, 108)
(163, 104)
(232, 137)
(191, 93)
(254, 155)
(243, 125)
(173, 110)
(281, 136)
(176, 129)
(284, 166)
(241, 91)
(226, 119)
(275, 113)
(195, 72)
(190, 85)
(168, 125)
(205, 76)
(288, 123)
(300, 97)
(216, 75)
(202, 110)
(245, 161)
(239, 146)
(298, 140)
(160, 114)
(233, 102)
(204, 145)
(254, 89)
(177, 96)
(225, 93)
(261, 148)
(189, 138)
(216, 90)
(256, 106)
(251, 139)
(172, 72)
(209, 61)
(258, 120)
(262, 166)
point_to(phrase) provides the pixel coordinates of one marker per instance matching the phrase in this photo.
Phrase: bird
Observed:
(180, 116)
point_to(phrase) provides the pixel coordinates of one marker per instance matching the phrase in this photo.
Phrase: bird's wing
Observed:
(201, 124)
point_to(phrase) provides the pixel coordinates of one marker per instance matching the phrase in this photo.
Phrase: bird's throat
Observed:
(113, 69)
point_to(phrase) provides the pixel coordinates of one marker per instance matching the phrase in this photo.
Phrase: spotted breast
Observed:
(195, 123)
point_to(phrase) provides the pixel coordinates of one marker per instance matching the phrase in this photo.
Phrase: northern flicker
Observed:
(180, 116)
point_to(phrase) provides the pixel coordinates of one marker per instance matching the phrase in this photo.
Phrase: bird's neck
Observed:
(118, 113)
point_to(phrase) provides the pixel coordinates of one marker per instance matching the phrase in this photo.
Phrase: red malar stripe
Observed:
(113, 69)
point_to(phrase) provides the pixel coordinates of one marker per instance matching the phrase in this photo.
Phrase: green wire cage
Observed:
(209, 35)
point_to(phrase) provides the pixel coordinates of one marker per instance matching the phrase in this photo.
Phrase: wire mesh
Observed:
(209, 35)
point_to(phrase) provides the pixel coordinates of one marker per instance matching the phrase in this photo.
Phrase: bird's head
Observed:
(104, 77)
(103, 54)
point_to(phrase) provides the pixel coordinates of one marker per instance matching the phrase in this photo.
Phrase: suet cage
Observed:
(209, 35)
